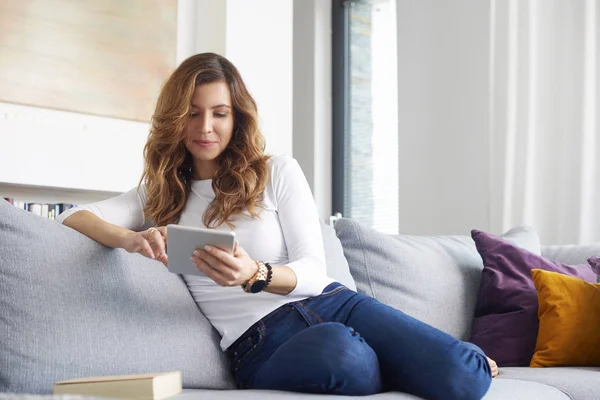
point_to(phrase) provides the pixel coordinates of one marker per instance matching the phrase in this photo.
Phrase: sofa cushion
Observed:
(432, 278)
(571, 253)
(281, 395)
(580, 383)
(506, 322)
(515, 389)
(73, 308)
(337, 265)
(569, 320)
(505, 389)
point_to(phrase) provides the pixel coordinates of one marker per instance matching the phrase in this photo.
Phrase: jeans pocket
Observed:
(252, 341)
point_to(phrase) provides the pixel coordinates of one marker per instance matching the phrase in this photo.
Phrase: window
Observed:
(365, 109)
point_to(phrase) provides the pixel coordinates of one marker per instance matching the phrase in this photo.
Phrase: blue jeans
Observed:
(346, 343)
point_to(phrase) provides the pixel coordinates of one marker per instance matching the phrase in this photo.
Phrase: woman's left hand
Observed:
(223, 268)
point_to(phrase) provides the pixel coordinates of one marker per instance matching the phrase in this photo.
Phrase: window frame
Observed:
(340, 78)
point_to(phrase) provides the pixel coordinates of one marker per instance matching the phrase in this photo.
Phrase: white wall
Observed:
(68, 150)
(443, 116)
(201, 24)
(259, 44)
(312, 97)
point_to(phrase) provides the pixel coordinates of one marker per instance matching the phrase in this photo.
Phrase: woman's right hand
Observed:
(150, 243)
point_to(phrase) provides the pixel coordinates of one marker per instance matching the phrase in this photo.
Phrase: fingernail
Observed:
(207, 248)
(196, 253)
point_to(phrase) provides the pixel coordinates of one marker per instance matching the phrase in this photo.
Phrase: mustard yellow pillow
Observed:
(569, 315)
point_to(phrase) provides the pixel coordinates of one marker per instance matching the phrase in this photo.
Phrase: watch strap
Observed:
(260, 280)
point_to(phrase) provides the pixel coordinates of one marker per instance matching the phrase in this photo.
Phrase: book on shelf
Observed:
(154, 386)
(50, 211)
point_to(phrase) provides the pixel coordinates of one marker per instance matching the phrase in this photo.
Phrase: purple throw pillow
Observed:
(505, 324)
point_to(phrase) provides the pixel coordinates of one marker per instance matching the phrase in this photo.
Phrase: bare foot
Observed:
(493, 366)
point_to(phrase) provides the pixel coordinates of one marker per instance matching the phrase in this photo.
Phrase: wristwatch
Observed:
(261, 278)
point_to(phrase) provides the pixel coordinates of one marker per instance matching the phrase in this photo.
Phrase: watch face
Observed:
(258, 286)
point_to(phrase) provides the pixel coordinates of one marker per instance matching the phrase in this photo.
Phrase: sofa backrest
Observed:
(74, 308)
(432, 278)
(337, 265)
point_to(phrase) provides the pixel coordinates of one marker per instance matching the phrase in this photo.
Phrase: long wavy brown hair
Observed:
(242, 171)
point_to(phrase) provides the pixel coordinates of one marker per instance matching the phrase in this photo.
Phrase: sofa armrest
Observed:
(572, 253)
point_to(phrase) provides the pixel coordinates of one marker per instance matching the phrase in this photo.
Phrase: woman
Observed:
(284, 324)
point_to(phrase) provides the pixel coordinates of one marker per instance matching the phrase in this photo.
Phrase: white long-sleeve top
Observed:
(288, 233)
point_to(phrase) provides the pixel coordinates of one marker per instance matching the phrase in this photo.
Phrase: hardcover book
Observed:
(153, 386)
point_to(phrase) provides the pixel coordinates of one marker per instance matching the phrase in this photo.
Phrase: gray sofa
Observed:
(71, 307)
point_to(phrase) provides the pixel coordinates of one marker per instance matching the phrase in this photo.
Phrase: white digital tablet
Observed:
(183, 240)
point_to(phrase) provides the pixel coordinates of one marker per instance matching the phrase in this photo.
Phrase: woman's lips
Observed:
(204, 143)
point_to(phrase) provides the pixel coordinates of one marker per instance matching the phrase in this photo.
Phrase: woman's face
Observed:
(210, 126)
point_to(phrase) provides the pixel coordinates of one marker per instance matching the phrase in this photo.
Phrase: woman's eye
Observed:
(220, 115)
(193, 115)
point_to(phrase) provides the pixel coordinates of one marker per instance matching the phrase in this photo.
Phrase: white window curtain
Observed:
(544, 137)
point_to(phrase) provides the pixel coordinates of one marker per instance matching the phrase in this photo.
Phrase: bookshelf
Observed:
(49, 202)
(44, 194)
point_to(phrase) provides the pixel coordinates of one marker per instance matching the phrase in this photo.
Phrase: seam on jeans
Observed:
(326, 294)
(356, 304)
(330, 293)
(362, 247)
(252, 350)
(311, 312)
(298, 308)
